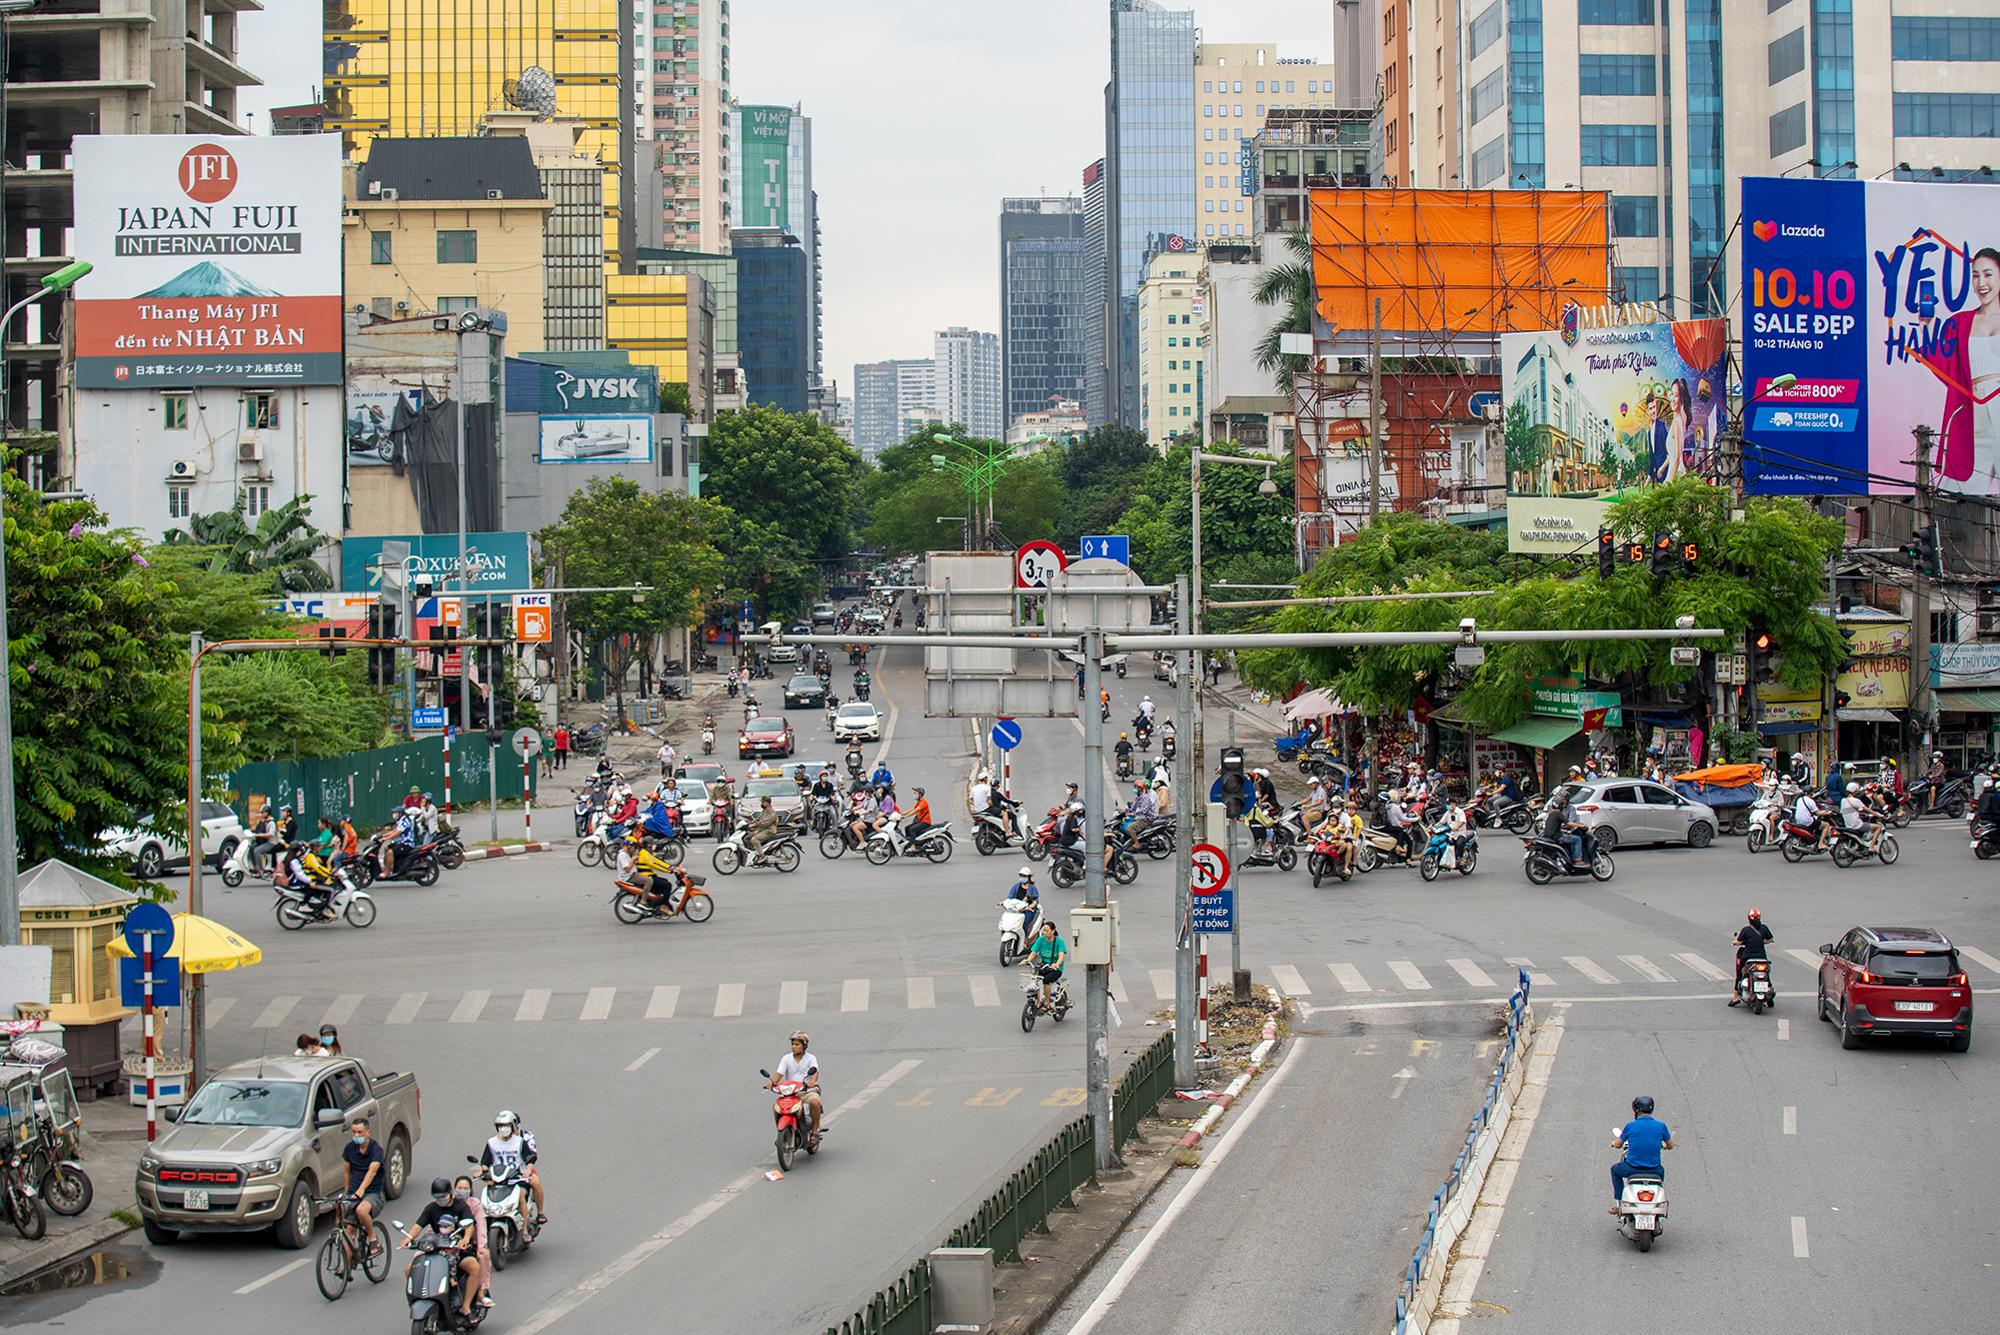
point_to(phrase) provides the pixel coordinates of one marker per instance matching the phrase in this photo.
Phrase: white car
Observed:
(696, 813)
(857, 718)
(148, 851)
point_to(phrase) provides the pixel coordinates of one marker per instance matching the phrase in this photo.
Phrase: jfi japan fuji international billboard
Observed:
(1883, 299)
(217, 260)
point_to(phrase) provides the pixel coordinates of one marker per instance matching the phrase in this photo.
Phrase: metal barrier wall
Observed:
(368, 783)
(1146, 1081)
(1420, 1263)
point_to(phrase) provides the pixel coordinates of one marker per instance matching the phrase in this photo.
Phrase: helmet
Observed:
(1643, 1104)
(801, 1036)
(1576, 769)
(427, 797)
(1076, 806)
(1798, 758)
(440, 1188)
(918, 791)
(1755, 915)
(1121, 737)
(1139, 785)
(1026, 873)
(1853, 788)
(505, 1117)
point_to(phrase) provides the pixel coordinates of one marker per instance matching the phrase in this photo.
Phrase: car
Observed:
(1895, 980)
(790, 769)
(824, 614)
(704, 771)
(857, 718)
(870, 618)
(765, 735)
(148, 851)
(1635, 811)
(697, 815)
(805, 691)
(782, 653)
(800, 628)
(1164, 665)
(787, 798)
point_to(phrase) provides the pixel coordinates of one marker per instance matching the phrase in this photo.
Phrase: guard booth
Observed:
(76, 915)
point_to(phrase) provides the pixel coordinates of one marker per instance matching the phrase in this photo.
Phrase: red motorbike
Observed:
(794, 1118)
(1043, 837)
(1326, 860)
(1800, 841)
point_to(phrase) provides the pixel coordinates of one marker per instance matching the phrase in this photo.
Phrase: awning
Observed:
(1869, 715)
(1457, 714)
(1311, 704)
(1540, 731)
(1968, 702)
(1788, 726)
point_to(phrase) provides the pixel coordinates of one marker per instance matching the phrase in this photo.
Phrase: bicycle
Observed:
(345, 1246)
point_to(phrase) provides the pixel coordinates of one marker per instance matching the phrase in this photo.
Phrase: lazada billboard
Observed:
(217, 260)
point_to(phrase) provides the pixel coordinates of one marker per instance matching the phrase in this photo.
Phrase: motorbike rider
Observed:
(1167, 742)
(1103, 705)
(1138, 817)
(513, 1144)
(1049, 953)
(462, 1192)
(265, 844)
(1025, 889)
(800, 1065)
(918, 818)
(853, 761)
(310, 877)
(1122, 749)
(1559, 828)
(1396, 819)
(1806, 814)
(1750, 940)
(1642, 1139)
(452, 1222)
(862, 814)
(762, 829)
(1857, 815)
(882, 778)
(825, 791)
(1069, 826)
(1351, 834)
(1987, 811)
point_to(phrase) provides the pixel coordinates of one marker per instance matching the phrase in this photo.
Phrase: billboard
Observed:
(1598, 407)
(371, 413)
(1883, 299)
(765, 152)
(496, 561)
(1879, 675)
(624, 438)
(217, 260)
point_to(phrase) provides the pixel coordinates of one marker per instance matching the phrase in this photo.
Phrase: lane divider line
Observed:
(275, 1275)
(642, 1059)
(1799, 1248)
(1790, 1120)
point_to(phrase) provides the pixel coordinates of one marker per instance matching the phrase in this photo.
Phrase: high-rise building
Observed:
(1357, 51)
(573, 245)
(680, 87)
(1299, 151)
(1170, 351)
(1239, 85)
(967, 379)
(890, 400)
(1044, 311)
(773, 315)
(1149, 152)
(1097, 315)
(771, 185)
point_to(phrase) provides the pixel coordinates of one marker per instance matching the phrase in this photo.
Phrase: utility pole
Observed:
(197, 1006)
(1184, 789)
(1097, 981)
(1375, 414)
(1920, 605)
(1238, 980)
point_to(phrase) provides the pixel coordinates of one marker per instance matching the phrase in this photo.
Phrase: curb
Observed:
(1258, 1056)
(66, 1248)
(509, 850)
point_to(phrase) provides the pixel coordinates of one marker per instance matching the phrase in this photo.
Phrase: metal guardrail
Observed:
(904, 1308)
(1138, 1092)
(1413, 1276)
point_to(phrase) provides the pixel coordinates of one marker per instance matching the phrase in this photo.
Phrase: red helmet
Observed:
(1754, 915)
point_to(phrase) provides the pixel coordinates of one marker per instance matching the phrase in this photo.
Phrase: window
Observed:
(458, 247)
(1488, 94)
(1238, 88)
(260, 409)
(1635, 215)
(1260, 108)
(1290, 86)
(1788, 129)
(1947, 115)
(1485, 29)
(1208, 159)
(1640, 284)
(1614, 13)
(1620, 146)
(1616, 76)
(1208, 206)
(1239, 108)
(1208, 85)
(174, 412)
(178, 496)
(1925, 38)
(380, 251)
(453, 305)
(1785, 57)
(1312, 85)
(256, 499)
(1260, 85)
(1207, 110)
(1208, 229)
(1208, 134)
(1489, 164)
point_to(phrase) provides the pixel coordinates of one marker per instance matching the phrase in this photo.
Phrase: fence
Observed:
(1426, 1269)
(1024, 1201)
(368, 783)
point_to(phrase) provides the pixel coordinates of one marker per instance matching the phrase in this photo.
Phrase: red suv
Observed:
(1895, 980)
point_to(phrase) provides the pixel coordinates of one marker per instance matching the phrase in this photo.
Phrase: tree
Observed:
(1098, 473)
(674, 398)
(1289, 287)
(283, 543)
(1520, 438)
(788, 470)
(295, 705)
(1237, 519)
(767, 566)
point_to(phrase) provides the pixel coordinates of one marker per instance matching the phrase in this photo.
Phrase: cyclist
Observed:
(1049, 953)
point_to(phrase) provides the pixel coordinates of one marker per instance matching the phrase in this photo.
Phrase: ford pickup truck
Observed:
(262, 1139)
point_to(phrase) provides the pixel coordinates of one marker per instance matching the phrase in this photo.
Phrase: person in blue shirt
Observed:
(882, 778)
(660, 821)
(1024, 888)
(1510, 788)
(1642, 1139)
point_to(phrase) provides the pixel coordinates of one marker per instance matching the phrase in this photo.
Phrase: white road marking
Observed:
(342, 1009)
(1163, 983)
(854, 994)
(1409, 976)
(1703, 967)
(597, 1005)
(1790, 1120)
(1118, 989)
(1588, 967)
(469, 1006)
(1349, 978)
(1784, 1030)
(643, 1058)
(922, 993)
(274, 1013)
(1652, 971)
(792, 998)
(1136, 1259)
(1289, 981)
(1799, 1249)
(728, 1000)
(1593, 999)
(534, 1004)
(665, 998)
(1981, 958)
(406, 1007)
(985, 992)
(1809, 958)
(1403, 1079)
(1538, 979)
(218, 1008)
(275, 1275)
(1472, 973)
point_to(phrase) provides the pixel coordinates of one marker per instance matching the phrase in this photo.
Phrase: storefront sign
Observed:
(1791, 711)
(1880, 677)
(1954, 666)
(1558, 698)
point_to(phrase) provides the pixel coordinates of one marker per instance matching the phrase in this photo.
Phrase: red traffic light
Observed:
(1763, 642)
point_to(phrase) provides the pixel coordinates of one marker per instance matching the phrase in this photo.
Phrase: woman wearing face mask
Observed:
(469, 1199)
(329, 1042)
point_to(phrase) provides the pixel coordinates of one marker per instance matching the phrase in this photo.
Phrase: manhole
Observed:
(90, 1271)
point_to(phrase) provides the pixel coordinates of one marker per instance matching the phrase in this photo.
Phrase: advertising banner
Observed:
(1880, 677)
(628, 389)
(765, 154)
(1971, 663)
(217, 260)
(1565, 697)
(371, 412)
(1883, 299)
(495, 560)
(621, 439)
(1601, 406)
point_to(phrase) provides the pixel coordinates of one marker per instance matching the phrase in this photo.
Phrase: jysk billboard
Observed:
(217, 261)
(494, 560)
(1883, 299)
(765, 153)
(592, 417)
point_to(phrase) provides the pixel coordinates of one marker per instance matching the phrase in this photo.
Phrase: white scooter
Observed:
(1019, 921)
(239, 868)
(708, 741)
(510, 1212)
(889, 843)
(1642, 1210)
(294, 910)
(1768, 813)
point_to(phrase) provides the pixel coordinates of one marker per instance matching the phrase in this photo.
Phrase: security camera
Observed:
(1467, 629)
(1683, 623)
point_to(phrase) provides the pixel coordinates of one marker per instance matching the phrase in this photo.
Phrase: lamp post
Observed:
(993, 457)
(10, 896)
(970, 479)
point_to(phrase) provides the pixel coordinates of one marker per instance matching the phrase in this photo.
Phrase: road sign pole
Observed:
(152, 1086)
(1097, 978)
(493, 785)
(527, 798)
(1201, 1022)
(1239, 980)
(447, 768)
(1184, 946)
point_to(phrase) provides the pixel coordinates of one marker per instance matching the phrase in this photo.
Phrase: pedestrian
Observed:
(308, 1046)
(548, 754)
(562, 746)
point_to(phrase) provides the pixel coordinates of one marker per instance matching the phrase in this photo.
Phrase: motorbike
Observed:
(1324, 859)
(419, 864)
(1851, 846)
(238, 868)
(1019, 920)
(1952, 797)
(510, 1212)
(1125, 765)
(1800, 842)
(1066, 866)
(1443, 852)
(294, 911)
(1767, 820)
(1756, 984)
(1492, 811)
(1985, 839)
(1381, 848)
(432, 1287)
(991, 831)
(1157, 841)
(606, 836)
(1547, 859)
(1043, 837)
(888, 843)
(449, 847)
(632, 908)
(861, 689)
(1167, 746)
(781, 852)
(854, 764)
(708, 741)
(1121, 665)
(1642, 1209)
(1143, 731)
(1031, 988)
(793, 1117)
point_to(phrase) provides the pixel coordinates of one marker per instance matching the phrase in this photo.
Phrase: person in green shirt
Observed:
(1049, 952)
(327, 842)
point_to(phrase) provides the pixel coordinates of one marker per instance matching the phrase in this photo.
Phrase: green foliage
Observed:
(1236, 519)
(221, 604)
(282, 543)
(787, 470)
(1097, 472)
(290, 706)
(1289, 287)
(674, 398)
(767, 566)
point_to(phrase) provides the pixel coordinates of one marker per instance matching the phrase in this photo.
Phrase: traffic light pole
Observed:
(1097, 977)
(1185, 770)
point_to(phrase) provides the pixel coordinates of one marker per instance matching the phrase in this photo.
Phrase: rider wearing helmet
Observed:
(1642, 1139)
(1122, 748)
(513, 1145)
(1025, 889)
(800, 1065)
(453, 1221)
(1750, 939)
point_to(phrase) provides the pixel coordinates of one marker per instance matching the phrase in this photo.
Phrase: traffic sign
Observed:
(1215, 914)
(427, 717)
(1006, 734)
(1036, 563)
(532, 612)
(166, 982)
(526, 742)
(1107, 546)
(148, 919)
(1209, 869)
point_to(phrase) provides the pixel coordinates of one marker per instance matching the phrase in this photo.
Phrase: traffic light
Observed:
(437, 636)
(1926, 550)
(493, 625)
(1607, 553)
(331, 638)
(1690, 556)
(1234, 782)
(1762, 642)
(381, 661)
(1663, 553)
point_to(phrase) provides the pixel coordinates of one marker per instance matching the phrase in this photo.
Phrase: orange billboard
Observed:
(1452, 262)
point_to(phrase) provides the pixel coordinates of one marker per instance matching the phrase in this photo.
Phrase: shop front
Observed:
(1965, 680)
(1789, 722)
(1872, 694)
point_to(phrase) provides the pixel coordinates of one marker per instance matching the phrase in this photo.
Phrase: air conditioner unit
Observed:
(1989, 623)
(361, 308)
(391, 193)
(181, 470)
(493, 194)
(402, 305)
(249, 449)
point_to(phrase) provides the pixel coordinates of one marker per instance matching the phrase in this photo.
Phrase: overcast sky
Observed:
(924, 116)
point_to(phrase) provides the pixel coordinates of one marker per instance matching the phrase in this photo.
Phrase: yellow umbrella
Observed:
(202, 945)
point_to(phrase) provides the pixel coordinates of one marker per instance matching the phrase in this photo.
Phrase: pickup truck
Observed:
(261, 1139)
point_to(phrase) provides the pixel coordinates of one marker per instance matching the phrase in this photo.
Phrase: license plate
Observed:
(194, 1200)
(1916, 1005)
(1643, 1222)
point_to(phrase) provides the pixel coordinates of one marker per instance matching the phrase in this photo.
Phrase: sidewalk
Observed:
(114, 1138)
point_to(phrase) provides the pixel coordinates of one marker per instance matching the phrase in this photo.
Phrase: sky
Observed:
(925, 115)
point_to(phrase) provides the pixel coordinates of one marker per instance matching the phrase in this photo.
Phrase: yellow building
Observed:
(1170, 351)
(651, 316)
(1236, 86)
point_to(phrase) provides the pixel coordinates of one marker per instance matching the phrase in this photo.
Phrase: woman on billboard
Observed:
(1969, 450)
(1680, 424)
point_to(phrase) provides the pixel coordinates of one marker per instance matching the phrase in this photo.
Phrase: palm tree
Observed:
(1290, 286)
(282, 543)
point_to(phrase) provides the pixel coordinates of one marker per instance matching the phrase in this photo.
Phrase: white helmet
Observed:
(1026, 873)
(1853, 789)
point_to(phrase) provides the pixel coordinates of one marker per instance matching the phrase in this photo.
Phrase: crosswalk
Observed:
(1136, 988)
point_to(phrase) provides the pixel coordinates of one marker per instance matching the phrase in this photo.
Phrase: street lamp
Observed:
(993, 457)
(10, 898)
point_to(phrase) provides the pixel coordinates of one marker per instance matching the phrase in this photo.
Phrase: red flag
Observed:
(1593, 720)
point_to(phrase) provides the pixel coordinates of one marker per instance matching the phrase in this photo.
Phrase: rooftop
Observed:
(454, 168)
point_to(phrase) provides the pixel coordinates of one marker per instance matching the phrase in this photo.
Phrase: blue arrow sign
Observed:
(148, 919)
(1215, 914)
(1006, 734)
(1107, 546)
